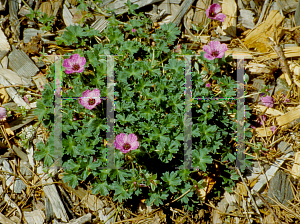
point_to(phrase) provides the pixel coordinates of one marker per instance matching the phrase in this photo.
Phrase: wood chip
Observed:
(57, 205)
(20, 63)
(296, 166)
(269, 111)
(11, 76)
(67, 16)
(4, 45)
(288, 117)
(200, 12)
(35, 217)
(121, 8)
(229, 8)
(262, 133)
(5, 220)
(182, 11)
(262, 180)
(258, 37)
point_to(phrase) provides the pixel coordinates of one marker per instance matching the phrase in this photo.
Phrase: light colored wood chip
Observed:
(288, 117)
(229, 8)
(4, 45)
(269, 111)
(5, 220)
(258, 37)
(35, 217)
(262, 133)
(182, 11)
(200, 12)
(296, 166)
(54, 198)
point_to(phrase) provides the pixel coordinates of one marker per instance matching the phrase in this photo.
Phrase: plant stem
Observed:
(199, 35)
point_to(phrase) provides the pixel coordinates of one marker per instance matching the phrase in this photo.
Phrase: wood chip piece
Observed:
(67, 16)
(296, 166)
(35, 217)
(182, 11)
(269, 111)
(262, 179)
(20, 63)
(4, 45)
(165, 5)
(11, 76)
(262, 133)
(13, 93)
(200, 12)
(57, 205)
(5, 220)
(258, 37)
(229, 8)
(121, 8)
(288, 117)
(100, 24)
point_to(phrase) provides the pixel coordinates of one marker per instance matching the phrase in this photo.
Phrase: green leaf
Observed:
(38, 155)
(156, 199)
(201, 158)
(101, 187)
(131, 7)
(71, 179)
(71, 36)
(120, 193)
(172, 180)
(129, 47)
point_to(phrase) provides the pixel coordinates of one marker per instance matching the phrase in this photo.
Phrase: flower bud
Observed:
(3, 113)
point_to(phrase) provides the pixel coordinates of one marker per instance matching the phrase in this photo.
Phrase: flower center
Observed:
(126, 146)
(76, 67)
(215, 53)
(212, 13)
(91, 101)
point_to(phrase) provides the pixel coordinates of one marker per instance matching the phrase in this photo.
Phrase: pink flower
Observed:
(286, 100)
(214, 50)
(273, 129)
(133, 30)
(90, 99)
(178, 49)
(268, 101)
(252, 126)
(213, 12)
(26, 99)
(74, 64)
(3, 113)
(261, 119)
(126, 143)
(207, 85)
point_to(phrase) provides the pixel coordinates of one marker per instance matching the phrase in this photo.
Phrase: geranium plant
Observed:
(149, 113)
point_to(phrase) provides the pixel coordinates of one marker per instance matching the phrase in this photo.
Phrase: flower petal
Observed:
(66, 63)
(134, 145)
(220, 55)
(221, 17)
(82, 61)
(75, 57)
(3, 113)
(214, 45)
(216, 8)
(207, 49)
(223, 47)
(209, 56)
(121, 139)
(131, 138)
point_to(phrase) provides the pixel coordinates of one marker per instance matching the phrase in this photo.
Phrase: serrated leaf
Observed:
(101, 188)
